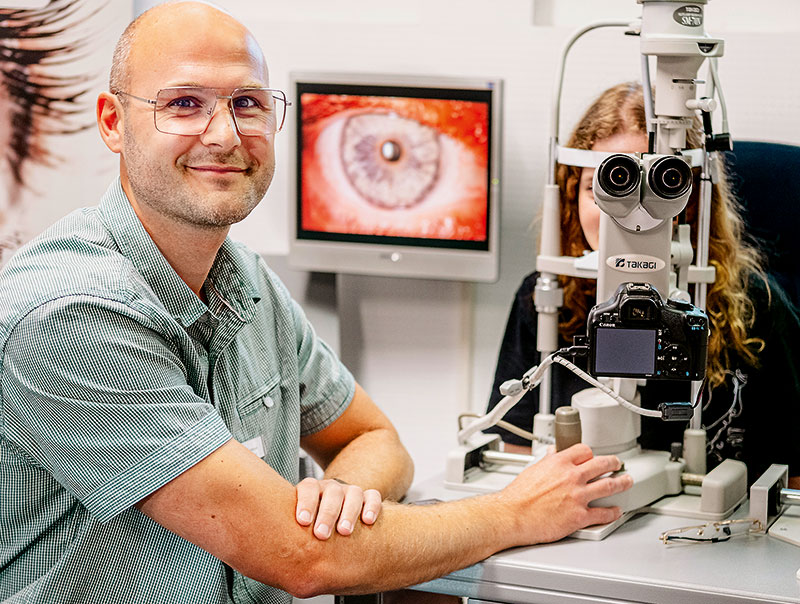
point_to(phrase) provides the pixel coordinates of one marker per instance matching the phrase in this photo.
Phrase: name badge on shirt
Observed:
(256, 446)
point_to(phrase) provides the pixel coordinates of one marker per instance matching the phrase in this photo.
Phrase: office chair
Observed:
(766, 179)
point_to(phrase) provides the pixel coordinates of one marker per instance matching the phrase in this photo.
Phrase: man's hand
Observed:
(333, 502)
(557, 490)
(236, 507)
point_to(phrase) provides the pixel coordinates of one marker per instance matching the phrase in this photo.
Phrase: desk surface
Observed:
(630, 565)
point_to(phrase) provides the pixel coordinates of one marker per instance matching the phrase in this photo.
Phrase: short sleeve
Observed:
(96, 396)
(326, 386)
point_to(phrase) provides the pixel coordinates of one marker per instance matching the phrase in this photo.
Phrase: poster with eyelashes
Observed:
(394, 164)
(54, 60)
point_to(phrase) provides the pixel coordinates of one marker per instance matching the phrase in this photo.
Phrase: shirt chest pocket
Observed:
(257, 413)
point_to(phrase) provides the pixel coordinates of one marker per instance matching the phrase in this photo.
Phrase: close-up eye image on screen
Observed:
(396, 175)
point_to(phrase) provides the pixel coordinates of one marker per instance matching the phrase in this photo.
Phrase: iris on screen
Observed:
(395, 167)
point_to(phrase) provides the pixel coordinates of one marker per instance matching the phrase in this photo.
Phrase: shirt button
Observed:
(268, 401)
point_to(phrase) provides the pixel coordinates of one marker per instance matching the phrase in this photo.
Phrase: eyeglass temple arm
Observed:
(138, 98)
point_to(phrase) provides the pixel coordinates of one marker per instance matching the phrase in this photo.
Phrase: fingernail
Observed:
(322, 531)
(369, 516)
(345, 526)
(304, 516)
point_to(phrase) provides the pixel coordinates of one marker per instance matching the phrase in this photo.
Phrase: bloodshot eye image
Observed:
(394, 167)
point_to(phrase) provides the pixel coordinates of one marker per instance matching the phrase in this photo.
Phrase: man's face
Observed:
(213, 179)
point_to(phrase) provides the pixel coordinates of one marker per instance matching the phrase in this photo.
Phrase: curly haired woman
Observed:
(751, 406)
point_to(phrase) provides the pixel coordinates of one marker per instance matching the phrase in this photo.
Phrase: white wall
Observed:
(426, 349)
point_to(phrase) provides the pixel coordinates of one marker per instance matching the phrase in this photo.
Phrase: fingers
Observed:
(602, 515)
(330, 505)
(605, 487)
(307, 501)
(373, 504)
(597, 466)
(577, 454)
(351, 508)
(367, 504)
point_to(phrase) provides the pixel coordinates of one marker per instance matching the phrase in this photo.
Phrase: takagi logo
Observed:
(635, 263)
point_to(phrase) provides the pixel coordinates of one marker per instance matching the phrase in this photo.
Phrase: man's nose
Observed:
(221, 130)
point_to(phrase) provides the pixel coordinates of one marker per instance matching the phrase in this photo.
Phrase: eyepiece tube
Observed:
(619, 175)
(670, 177)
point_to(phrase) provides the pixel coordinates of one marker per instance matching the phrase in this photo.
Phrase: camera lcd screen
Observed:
(624, 352)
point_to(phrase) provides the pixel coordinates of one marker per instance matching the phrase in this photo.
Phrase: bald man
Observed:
(157, 380)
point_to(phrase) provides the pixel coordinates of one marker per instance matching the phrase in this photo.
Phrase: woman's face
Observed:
(588, 212)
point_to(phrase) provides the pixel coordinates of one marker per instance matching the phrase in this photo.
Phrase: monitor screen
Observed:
(396, 175)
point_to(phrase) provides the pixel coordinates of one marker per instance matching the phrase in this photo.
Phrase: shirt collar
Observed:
(180, 301)
(229, 280)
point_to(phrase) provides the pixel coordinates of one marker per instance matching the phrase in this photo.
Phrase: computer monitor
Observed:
(396, 175)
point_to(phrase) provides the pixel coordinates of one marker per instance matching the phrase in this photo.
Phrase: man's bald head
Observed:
(171, 18)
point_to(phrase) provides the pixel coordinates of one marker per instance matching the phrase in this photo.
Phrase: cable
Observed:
(712, 66)
(516, 430)
(588, 378)
(700, 392)
(514, 390)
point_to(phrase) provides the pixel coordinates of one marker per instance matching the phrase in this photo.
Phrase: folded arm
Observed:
(363, 461)
(236, 507)
(363, 448)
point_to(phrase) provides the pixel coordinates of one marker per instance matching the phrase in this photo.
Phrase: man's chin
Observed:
(231, 211)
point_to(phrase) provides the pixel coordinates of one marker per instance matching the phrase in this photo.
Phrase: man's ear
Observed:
(110, 120)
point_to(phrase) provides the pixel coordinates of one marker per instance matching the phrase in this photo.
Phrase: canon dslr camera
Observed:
(636, 334)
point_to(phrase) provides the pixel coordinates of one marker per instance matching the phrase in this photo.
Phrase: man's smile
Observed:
(219, 169)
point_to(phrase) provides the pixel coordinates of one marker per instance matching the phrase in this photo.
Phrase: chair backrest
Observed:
(766, 179)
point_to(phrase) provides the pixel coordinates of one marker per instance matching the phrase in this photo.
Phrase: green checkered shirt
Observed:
(114, 379)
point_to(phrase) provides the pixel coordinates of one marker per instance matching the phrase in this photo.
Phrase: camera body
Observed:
(636, 334)
(661, 184)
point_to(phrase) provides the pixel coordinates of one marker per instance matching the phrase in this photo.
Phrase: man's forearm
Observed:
(409, 545)
(240, 510)
(374, 460)
(412, 544)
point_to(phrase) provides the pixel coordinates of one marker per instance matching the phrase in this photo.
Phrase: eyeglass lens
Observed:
(188, 110)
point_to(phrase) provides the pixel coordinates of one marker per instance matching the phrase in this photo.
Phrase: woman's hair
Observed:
(618, 110)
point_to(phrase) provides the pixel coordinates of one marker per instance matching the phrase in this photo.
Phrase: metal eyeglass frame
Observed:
(229, 97)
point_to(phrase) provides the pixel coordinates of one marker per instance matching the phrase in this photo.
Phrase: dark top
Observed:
(759, 430)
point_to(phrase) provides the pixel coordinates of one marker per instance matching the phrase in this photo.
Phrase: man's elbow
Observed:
(303, 570)
(306, 584)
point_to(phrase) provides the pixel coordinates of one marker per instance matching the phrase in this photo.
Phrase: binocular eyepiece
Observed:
(619, 175)
(669, 177)
(660, 183)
